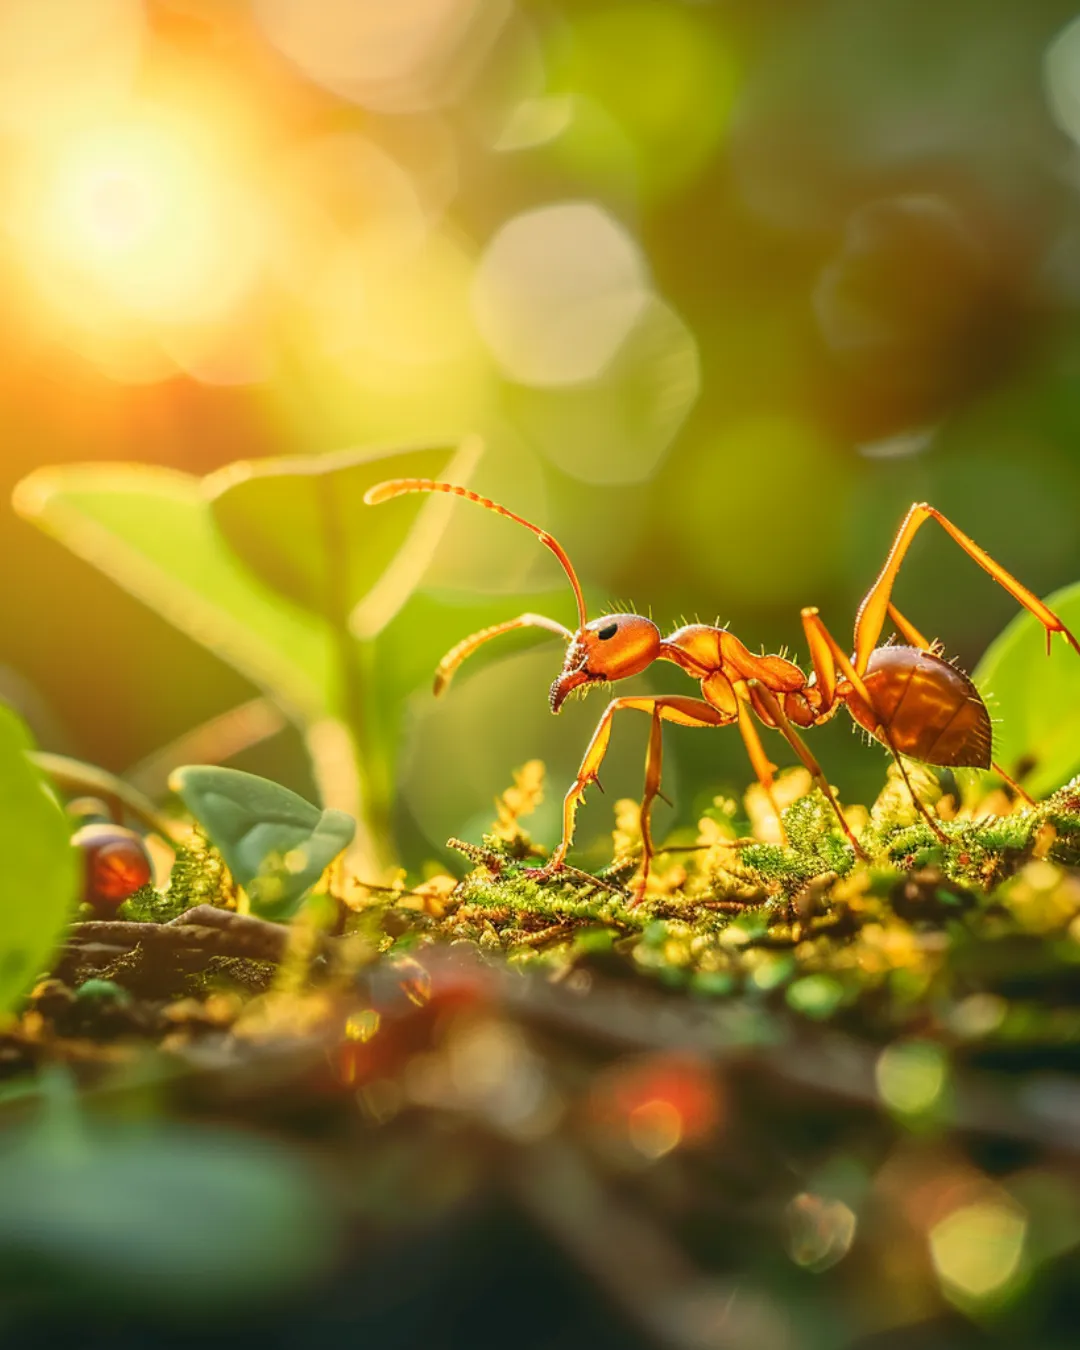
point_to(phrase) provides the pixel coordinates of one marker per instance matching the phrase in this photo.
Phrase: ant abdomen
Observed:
(931, 710)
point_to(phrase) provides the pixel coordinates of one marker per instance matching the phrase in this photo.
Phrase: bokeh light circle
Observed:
(1062, 75)
(618, 428)
(557, 292)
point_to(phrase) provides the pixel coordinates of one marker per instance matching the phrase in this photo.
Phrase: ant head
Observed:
(602, 650)
(607, 649)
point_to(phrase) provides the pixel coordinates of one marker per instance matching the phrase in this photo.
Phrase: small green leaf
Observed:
(1035, 699)
(276, 844)
(40, 868)
(300, 524)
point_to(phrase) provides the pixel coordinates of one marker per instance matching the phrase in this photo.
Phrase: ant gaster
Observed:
(907, 696)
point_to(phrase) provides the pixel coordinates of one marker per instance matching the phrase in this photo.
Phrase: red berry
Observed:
(117, 864)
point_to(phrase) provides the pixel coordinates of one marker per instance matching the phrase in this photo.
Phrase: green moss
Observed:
(897, 942)
(198, 877)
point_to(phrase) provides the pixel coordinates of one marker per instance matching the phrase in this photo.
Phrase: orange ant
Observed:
(908, 697)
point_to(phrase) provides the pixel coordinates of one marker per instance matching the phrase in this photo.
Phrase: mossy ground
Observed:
(839, 1093)
(975, 940)
(978, 937)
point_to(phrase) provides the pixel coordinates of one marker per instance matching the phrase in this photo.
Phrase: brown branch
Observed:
(204, 930)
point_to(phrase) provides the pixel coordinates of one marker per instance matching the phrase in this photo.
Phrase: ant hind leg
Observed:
(917, 801)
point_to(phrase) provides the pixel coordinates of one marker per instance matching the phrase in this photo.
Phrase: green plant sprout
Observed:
(275, 844)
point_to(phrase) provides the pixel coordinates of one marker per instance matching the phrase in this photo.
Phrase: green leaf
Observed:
(276, 844)
(40, 868)
(300, 524)
(152, 531)
(1035, 699)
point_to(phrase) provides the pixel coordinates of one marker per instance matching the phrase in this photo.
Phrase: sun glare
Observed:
(110, 206)
(140, 222)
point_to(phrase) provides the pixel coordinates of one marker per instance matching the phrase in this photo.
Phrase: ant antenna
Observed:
(397, 487)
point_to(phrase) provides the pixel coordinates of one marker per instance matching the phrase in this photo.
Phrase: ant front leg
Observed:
(687, 712)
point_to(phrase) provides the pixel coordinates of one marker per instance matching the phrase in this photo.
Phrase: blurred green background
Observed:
(724, 288)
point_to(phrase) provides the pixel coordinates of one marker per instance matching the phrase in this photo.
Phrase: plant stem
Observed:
(350, 763)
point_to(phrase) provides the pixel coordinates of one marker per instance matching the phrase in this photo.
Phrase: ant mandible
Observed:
(906, 696)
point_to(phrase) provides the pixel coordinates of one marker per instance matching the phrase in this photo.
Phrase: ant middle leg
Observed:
(760, 762)
(917, 801)
(653, 765)
(778, 717)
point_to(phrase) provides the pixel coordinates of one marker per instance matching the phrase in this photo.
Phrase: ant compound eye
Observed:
(608, 631)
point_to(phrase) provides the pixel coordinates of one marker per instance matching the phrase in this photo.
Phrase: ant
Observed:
(906, 696)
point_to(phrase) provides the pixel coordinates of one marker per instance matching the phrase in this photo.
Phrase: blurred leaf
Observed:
(276, 844)
(41, 877)
(152, 531)
(1035, 699)
(173, 1217)
(301, 525)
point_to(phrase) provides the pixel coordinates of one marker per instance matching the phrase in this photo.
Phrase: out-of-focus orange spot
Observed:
(655, 1127)
(657, 1104)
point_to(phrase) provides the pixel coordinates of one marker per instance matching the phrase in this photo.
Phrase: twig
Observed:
(203, 929)
(71, 775)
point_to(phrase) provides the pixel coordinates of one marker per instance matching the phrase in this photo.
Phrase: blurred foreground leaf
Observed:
(1035, 699)
(40, 871)
(152, 531)
(276, 844)
(165, 1216)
